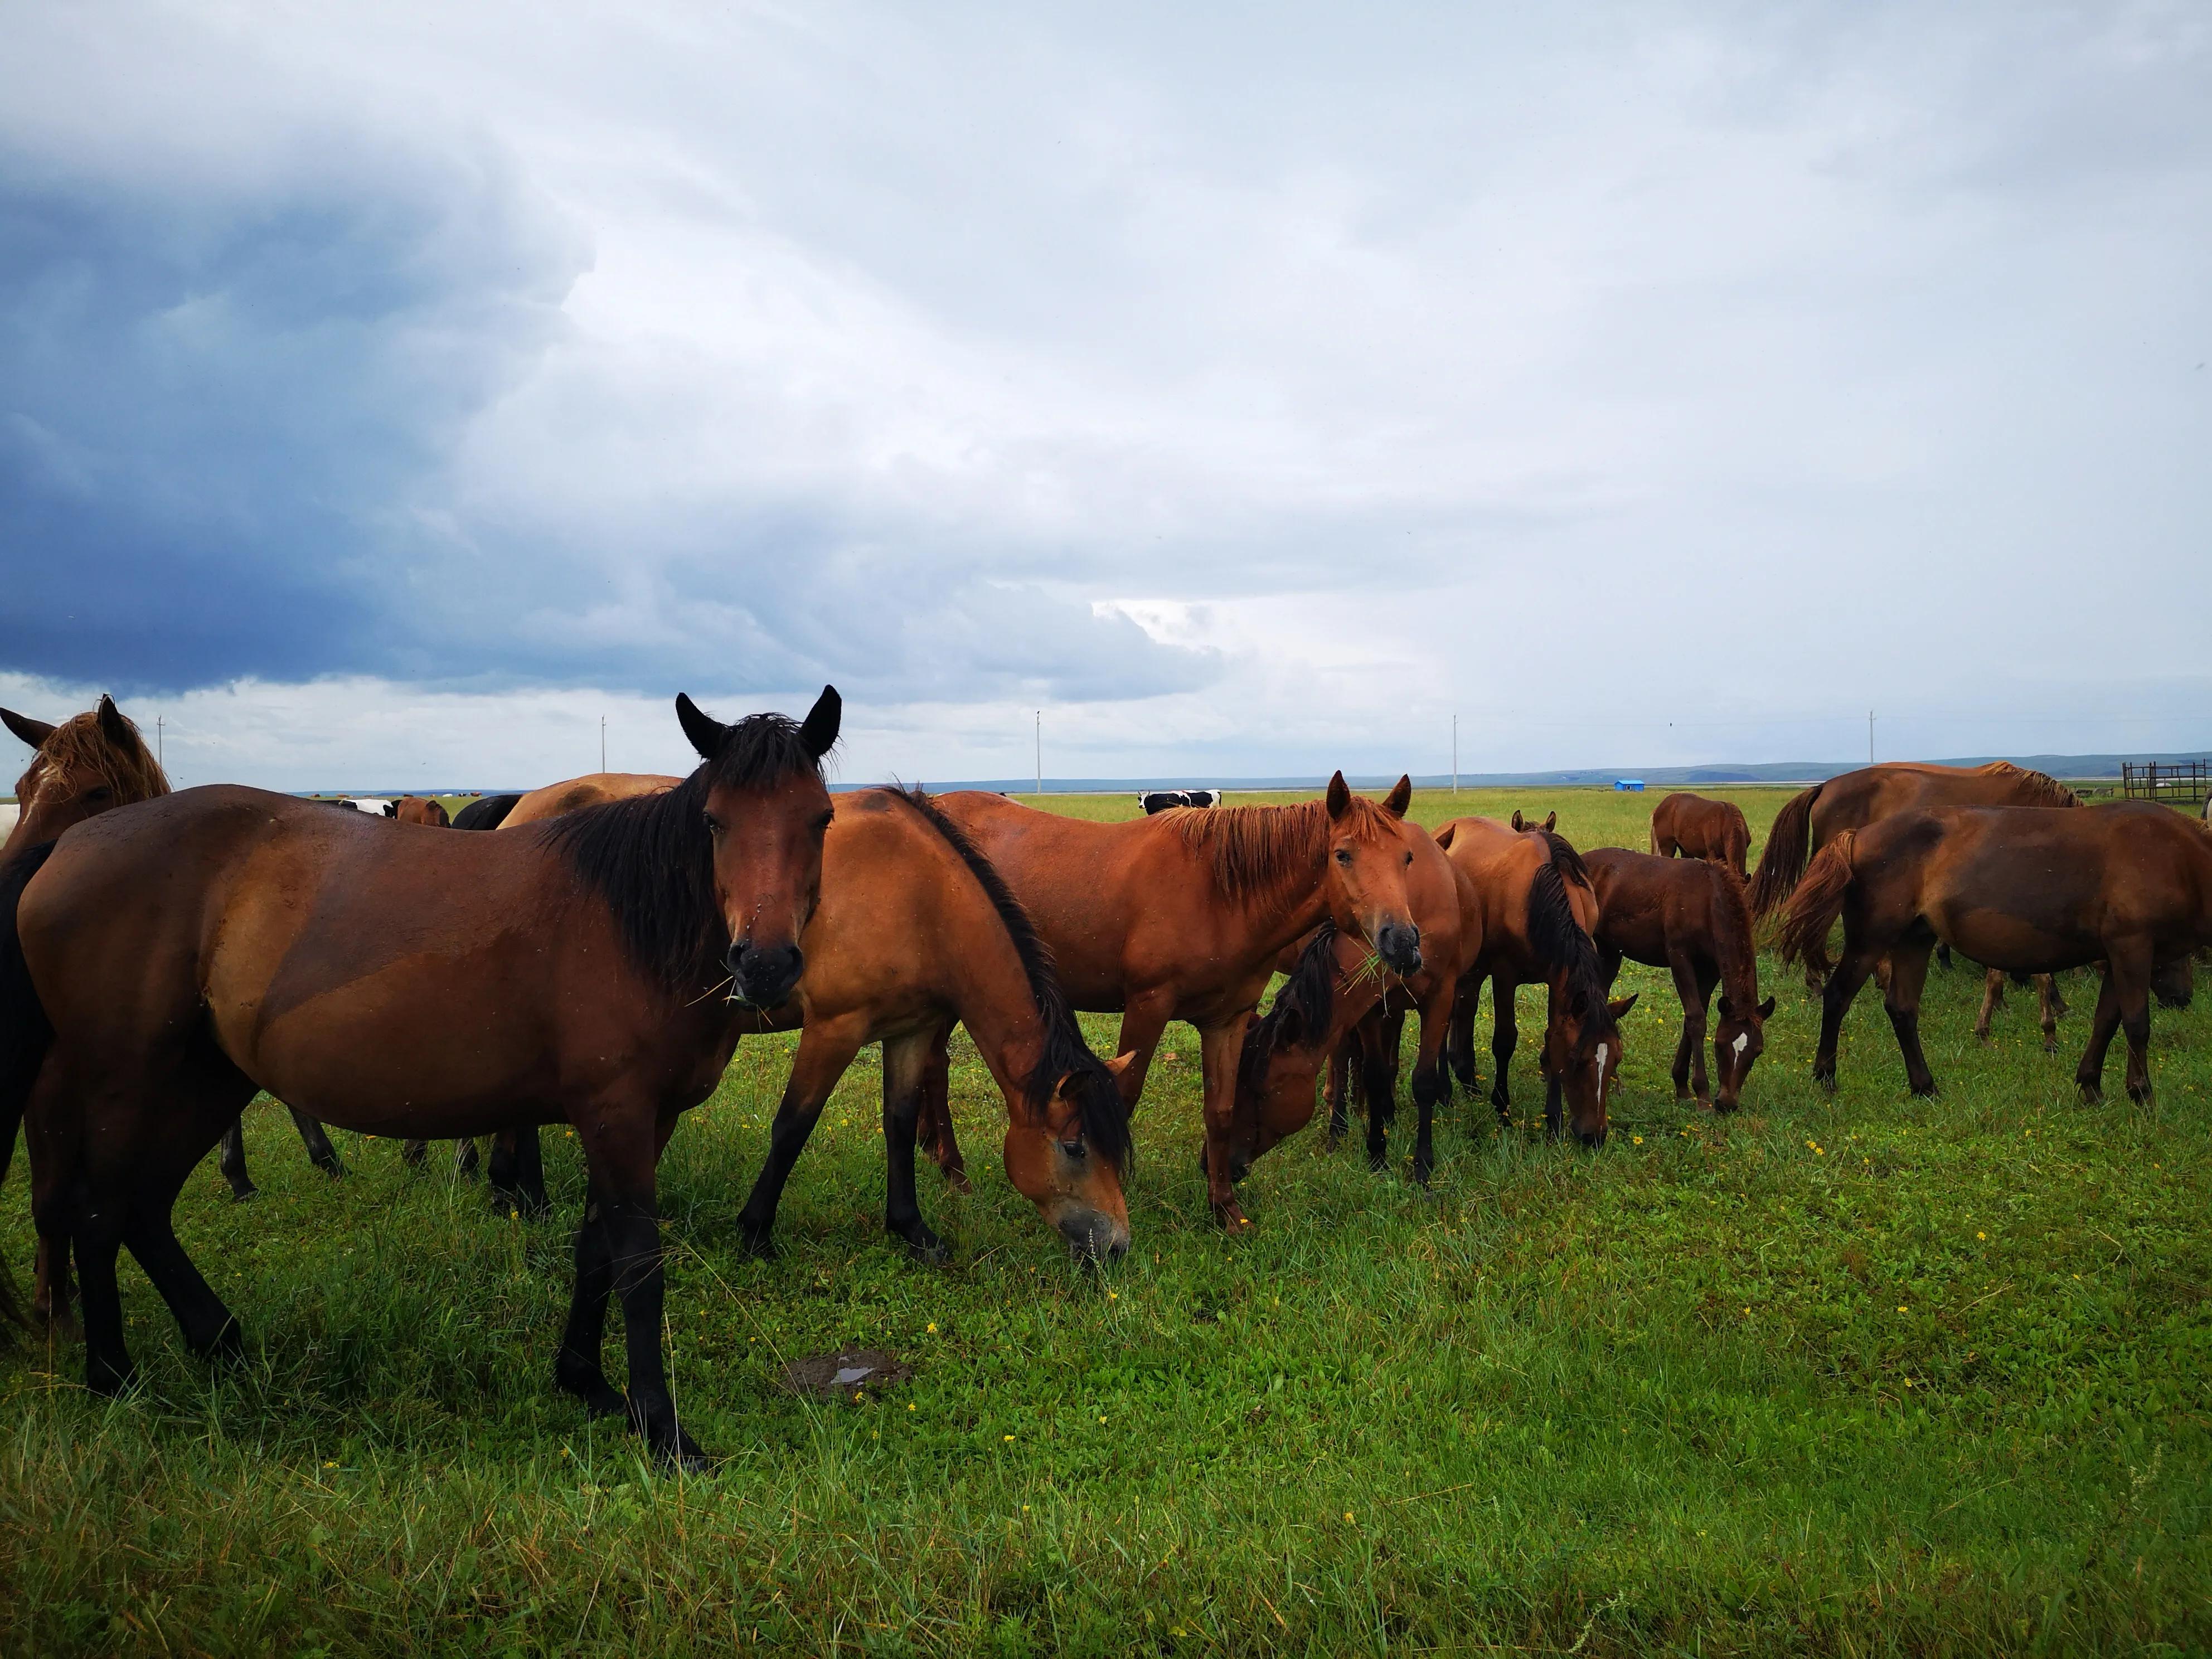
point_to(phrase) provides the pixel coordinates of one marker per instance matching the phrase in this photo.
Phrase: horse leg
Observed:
(516, 1171)
(1379, 1036)
(1143, 1017)
(1992, 999)
(1943, 956)
(231, 1160)
(320, 1153)
(825, 1051)
(2049, 1006)
(2089, 1075)
(1504, 1033)
(933, 1121)
(210, 1329)
(1908, 975)
(1459, 1035)
(1336, 1087)
(1844, 984)
(412, 1152)
(1431, 1084)
(1220, 1045)
(905, 1061)
(2131, 969)
(1690, 1082)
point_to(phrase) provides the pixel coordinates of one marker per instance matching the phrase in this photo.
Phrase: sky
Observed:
(390, 393)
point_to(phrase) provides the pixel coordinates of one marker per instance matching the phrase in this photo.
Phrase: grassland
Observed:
(1855, 1374)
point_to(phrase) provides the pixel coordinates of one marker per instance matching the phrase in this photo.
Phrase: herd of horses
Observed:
(592, 954)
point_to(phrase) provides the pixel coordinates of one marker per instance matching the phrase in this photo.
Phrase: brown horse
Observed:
(917, 931)
(1688, 916)
(2128, 885)
(592, 789)
(421, 809)
(165, 961)
(1340, 1007)
(83, 765)
(1537, 910)
(1550, 821)
(1698, 828)
(1813, 817)
(1180, 916)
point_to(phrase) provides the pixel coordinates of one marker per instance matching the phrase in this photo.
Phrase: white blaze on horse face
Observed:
(1743, 1041)
(1601, 1067)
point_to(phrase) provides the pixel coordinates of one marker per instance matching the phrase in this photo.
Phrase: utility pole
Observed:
(1869, 736)
(159, 721)
(602, 743)
(1454, 755)
(1039, 753)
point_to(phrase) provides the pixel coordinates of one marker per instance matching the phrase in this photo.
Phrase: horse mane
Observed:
(1732, 932)
(1252, 852)
(80, 743)
(2046, 789)
(1564, 860)
(1309, 993)
(1558, 941)
(652, 860)
(1105, 1115)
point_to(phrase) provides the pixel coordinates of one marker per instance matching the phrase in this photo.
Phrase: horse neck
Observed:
(1732, 942)
(994, 1001)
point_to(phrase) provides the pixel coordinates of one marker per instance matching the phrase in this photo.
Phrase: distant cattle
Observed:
(1158, 801)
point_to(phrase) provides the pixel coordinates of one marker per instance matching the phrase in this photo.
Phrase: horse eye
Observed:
(1409, 858)
(1074, 1149)
(1344, 858)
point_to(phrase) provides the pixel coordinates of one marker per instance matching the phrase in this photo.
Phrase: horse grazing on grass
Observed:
(1690, 917)
(915, 932)
(1537, 910)
(161, 964)
(1342, 1009)
(421, 809)
(1181, 916)
(485, 813)
(1698, 828)
(2129, 885)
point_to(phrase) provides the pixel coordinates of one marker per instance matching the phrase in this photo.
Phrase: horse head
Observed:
(85, 765)
(1066, 1157)
(1739, 1038)
(1370, 849)
(766, 811)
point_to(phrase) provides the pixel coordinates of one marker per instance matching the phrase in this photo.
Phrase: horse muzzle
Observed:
(763, 977)
(1094, 1235)
(1400, 947)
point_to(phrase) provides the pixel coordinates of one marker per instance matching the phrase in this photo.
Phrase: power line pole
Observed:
(1454, 755)
(1869, 736)
(602, 743)
(1039, 753)
(159, 756)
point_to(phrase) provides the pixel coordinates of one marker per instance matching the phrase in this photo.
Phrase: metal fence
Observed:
(2176, 783)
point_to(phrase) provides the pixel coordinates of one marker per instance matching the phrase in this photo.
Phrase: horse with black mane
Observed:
(162, 963)
(1537, 908)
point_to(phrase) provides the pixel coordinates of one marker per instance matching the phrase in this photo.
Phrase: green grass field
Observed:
(1856, 1375)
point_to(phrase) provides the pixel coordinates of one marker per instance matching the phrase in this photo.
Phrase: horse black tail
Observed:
(1783, 860)
(25, 1033)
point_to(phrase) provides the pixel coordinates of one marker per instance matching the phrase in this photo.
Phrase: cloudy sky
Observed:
(389, 392)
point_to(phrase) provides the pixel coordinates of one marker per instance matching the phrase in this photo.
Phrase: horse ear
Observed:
(1400, 798)
(1551, 821)
(703, 731)
(113, 725)
(34, 732)
(1443, 836)
(1339, 797)
(819, 730)
(1619, 1007)
(1766, 1008)
(1517, 824)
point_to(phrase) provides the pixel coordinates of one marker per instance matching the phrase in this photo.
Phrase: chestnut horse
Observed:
(1688, 916)
(1340, 1006)
(164, 962)
(917, 931)
(592, 789)
(1698, 828)
(84, 765)
(1180, 916)
(1537, 910)
(421, 809)
(2129, 885)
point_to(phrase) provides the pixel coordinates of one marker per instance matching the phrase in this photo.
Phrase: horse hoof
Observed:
(226, 1347)
(1378, 1164)
(926, 1248)
(240, 1195)
(2092, 1095)
(2051, 1045)
(2140, 1097)
(956, 1178)
(334, 1170)
(589, 1384)
(1232, 1219)
(101, 1378)
(761, 1246)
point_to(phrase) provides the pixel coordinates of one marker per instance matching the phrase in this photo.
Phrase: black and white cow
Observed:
(1158, 801)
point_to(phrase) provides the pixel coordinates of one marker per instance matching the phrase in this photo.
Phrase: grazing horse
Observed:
(1688, 916)
(915, 932)
(485, 813)
(163, 963)
(2129, 885)
(421, 809)
(1853, 801)
(1537, 909)
(1698, 828)
(1339, 1005)
(1181, 916)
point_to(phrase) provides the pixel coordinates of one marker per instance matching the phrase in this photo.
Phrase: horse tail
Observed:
(25, 1033)
(1818, 901)
(1783, 861)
